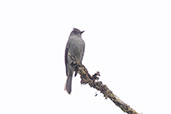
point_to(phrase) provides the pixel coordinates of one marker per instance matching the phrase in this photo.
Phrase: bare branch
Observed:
(86, 78)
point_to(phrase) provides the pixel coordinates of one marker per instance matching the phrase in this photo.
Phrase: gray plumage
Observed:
(75, 46)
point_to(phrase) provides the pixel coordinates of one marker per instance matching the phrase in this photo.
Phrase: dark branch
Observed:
(86, 78)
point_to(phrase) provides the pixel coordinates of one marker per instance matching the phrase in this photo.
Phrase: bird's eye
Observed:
(77, 32)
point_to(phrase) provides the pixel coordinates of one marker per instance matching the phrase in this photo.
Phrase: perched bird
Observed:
(75, 47)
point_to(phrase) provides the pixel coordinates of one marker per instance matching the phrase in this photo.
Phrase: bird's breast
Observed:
(76, 47)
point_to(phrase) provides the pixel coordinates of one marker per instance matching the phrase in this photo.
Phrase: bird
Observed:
(75, 48)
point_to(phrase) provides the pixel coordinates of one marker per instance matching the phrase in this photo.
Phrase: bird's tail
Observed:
(68, 84)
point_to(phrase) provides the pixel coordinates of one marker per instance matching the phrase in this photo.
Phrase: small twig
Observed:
(86, 78)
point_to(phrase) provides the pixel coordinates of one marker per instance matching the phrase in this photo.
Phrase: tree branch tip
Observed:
(86, 78)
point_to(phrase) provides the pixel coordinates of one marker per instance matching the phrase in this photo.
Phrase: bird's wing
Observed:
(66, 56)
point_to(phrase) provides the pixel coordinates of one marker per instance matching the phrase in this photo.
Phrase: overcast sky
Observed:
(128, 41)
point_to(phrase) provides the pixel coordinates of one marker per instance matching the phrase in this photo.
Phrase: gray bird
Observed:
(75, 47)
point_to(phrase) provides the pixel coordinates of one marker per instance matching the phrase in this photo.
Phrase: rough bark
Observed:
(93, 81)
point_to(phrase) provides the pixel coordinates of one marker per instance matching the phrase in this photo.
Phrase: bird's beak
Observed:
(82, 32)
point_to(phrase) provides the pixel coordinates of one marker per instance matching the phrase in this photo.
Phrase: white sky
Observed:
(129, 42)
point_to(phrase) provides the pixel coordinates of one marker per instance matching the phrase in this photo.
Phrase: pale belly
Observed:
(76, 49)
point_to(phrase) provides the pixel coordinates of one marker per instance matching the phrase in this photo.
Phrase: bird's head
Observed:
(76, 31)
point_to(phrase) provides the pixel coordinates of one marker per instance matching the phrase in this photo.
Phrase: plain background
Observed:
(128, 41)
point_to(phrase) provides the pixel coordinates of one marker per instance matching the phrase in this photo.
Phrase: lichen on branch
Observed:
(93, 81)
